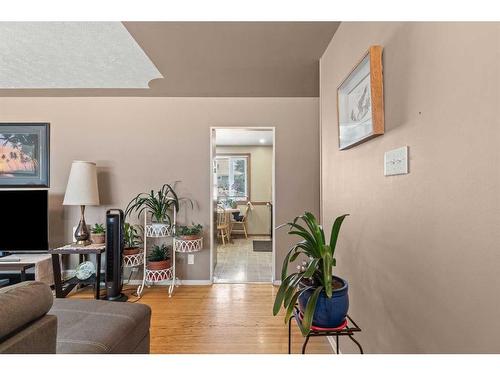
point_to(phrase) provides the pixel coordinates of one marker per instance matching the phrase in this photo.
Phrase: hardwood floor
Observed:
(221, 318)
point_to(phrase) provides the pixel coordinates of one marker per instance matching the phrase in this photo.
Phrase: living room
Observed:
(379, 210)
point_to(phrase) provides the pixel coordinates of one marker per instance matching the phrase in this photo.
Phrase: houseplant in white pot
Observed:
(322, 298)
(159, 204)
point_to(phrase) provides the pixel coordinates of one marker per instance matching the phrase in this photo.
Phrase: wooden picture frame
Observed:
(24, 155)
(360, 101)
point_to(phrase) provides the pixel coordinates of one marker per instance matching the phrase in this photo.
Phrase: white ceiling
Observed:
(243, 137)
(196, 59)
(62, 55)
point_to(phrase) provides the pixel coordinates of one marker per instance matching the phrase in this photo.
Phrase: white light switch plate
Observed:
(190, 258)
(396, 161)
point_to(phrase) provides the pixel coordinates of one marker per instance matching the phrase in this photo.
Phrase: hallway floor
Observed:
(237, 262)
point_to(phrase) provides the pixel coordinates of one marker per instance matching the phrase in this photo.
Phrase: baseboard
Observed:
(70, 273)
(277, 282)
(169, 282)
(333, 344)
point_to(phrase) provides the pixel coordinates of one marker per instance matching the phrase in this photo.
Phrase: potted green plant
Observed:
(132, 240)
(159, 258)
(322, 298)
(97, 234)
(191, 232)
(157, 203)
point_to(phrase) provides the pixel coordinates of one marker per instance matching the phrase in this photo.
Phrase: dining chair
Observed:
(223, 225)
(241, 225)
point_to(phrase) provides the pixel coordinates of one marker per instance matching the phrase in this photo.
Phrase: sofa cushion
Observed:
(21, 304)
(90, 326)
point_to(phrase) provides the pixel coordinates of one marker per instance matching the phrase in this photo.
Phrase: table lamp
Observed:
(82, 191)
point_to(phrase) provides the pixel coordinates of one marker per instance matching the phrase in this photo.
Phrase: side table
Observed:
(64, 287)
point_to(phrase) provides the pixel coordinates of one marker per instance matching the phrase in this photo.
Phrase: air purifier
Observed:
(114, 249)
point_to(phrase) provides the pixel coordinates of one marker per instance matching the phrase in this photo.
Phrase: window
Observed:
(233, 177)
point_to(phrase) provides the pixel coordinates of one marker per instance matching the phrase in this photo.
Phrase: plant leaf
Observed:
(311, 268)
(327, 273)
(335, 232)
(309, 312)
(281, 293)
(291, 306)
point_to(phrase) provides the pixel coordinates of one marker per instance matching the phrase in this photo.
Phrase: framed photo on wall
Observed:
(24, 155)
(360, 101)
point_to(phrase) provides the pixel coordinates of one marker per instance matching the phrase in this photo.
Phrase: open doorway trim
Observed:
(273, 196)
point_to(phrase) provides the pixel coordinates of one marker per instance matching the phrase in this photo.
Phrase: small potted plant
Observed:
(322, 298)
(187, 233)
(159, 258)
(132, 240)
(97, 234)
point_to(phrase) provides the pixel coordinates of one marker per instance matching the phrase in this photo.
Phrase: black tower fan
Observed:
(114, 249)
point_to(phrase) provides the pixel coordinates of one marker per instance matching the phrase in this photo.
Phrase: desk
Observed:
(64, 287)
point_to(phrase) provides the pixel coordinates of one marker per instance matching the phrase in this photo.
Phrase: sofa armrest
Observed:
(21, 304)
(39, 337)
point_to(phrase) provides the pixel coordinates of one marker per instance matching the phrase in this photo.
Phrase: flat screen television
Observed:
(24, 221)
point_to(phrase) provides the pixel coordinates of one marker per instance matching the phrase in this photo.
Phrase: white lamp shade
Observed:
(82, 185)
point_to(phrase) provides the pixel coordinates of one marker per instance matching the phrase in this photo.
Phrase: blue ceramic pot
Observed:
(330, 312)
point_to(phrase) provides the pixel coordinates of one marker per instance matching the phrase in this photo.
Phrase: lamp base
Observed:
(83, 243)
(82, 234)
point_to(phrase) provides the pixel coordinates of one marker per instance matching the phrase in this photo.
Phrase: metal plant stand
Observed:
(149, 277)
(348, 328)
(133, 261)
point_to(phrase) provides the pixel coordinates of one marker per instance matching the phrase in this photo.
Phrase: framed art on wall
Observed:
(24, 155)
(360, 101)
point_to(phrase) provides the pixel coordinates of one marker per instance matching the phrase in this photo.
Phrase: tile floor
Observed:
(237, 262)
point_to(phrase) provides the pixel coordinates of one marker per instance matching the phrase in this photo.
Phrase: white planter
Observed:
(157, 230)
(159, 226)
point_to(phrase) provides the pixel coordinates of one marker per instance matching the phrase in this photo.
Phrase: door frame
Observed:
(273, 195)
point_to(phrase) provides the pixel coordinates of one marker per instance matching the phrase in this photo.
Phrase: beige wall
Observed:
(420, 250)
(261, 180)
(140, 143)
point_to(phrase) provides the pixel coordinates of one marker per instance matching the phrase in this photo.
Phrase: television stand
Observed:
(41, 263)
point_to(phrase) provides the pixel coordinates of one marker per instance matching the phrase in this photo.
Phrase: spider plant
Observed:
(158, 203)
(316, 272)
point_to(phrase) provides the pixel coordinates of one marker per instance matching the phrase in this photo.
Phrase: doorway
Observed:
(242, 194)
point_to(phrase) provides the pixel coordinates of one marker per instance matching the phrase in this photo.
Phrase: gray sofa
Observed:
(32, 321)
